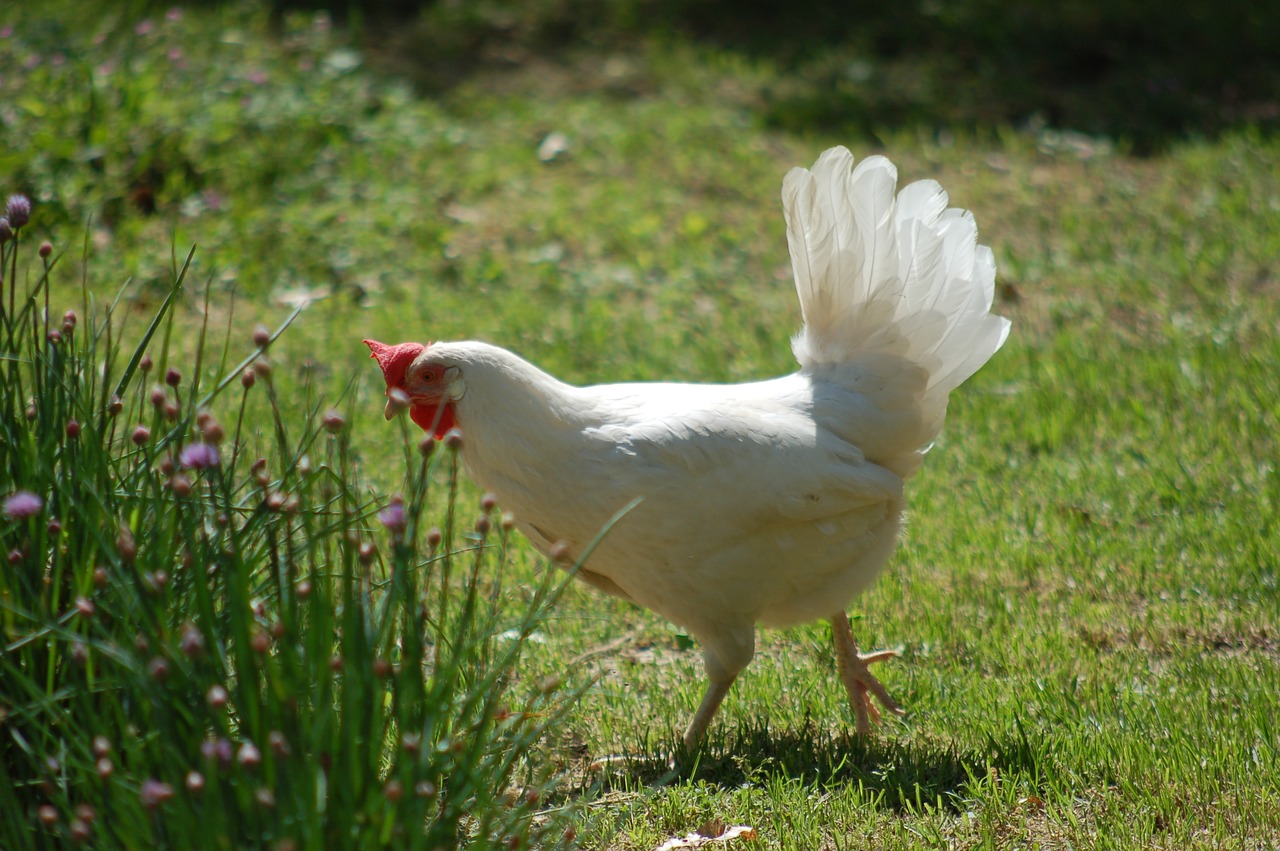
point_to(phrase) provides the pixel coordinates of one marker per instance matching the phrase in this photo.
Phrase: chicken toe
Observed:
(855, 672)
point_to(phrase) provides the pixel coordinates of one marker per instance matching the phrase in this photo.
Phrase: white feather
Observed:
(879, 275)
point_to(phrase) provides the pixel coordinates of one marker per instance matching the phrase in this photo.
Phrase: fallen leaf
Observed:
(698, 840)
(555, 144)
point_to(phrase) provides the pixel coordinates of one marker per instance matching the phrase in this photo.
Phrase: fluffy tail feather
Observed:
(879, 276)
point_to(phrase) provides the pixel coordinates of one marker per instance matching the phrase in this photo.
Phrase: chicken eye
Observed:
(430, 374)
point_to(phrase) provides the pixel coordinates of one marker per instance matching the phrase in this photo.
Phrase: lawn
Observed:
(1086, 599)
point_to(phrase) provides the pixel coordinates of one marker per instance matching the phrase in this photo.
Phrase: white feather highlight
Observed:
(882, 275)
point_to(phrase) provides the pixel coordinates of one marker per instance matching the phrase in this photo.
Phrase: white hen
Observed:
(772, 502)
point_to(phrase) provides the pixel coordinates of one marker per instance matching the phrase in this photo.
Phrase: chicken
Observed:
(773, 502)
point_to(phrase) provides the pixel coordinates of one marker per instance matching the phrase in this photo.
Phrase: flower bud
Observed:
(73, 429)
(55, 336)
(145, 363)
(393, 791)
(6, 230)
(278, 743)
(104, 767)
(181, 485)
(194, 782)
(213, 433)
(114, 405)
(216, 696)
(141, 435)
(262, 368)
(453, 439)
(172, 377)
(333, 421)
(261, 336)
(45, 249)
(79, 831)
(158, 396)
(68, 321)
(18, 211)
(248, 755)
(47, 814)
(158, 669)
(101, 746)
(85, 607)
(192, 641)
(248, 379)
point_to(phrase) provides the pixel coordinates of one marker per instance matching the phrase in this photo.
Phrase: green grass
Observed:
(1086, 597)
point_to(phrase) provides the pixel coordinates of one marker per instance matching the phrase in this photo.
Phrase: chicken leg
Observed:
(724, 657)
(856, 674)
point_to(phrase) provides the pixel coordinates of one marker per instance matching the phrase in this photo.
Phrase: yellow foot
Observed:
(859, 682)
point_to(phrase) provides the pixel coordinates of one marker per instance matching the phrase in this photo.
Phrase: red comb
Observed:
(394, 360)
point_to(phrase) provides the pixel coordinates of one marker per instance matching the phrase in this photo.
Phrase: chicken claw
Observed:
(855, 672)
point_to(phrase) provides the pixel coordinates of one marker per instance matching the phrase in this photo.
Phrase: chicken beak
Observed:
(397, 402)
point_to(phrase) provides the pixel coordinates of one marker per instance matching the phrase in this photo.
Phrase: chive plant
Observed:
(202, 648)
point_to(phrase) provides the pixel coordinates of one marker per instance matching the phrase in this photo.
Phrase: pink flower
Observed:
(393, 518)
(154, 793)
(22, 504)
(198, 456)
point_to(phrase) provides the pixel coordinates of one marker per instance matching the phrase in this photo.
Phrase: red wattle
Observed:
(425, 417)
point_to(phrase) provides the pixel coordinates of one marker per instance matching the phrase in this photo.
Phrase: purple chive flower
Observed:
(6, 232)
(198, 456)
(22, 504)
(18, 211)
(393, 517)
(154, 793)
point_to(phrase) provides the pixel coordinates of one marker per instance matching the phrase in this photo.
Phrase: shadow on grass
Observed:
(1148, 72)
(895, 774)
